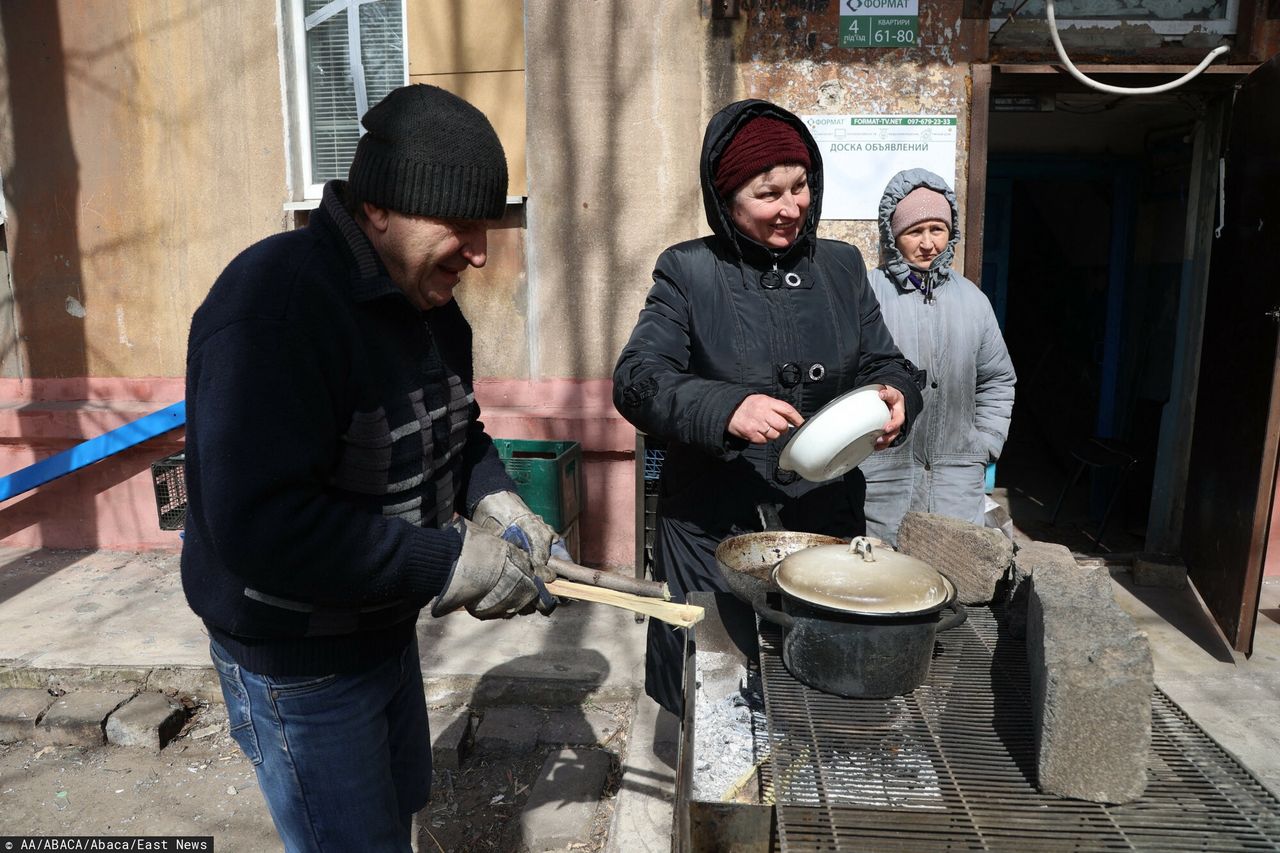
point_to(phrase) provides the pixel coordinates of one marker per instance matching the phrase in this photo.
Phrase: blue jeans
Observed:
(344, 761)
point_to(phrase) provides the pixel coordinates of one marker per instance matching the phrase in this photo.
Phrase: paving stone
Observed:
(562, 804)
(149, 721)
(1091, 679)
(1025, 563)
(975, 558)
(20, 708)
(578, 726)
(510, 728)
(1159, 570)
(450, 737)
(76, 719)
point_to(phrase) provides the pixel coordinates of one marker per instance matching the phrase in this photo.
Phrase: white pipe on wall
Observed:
(1122, 90)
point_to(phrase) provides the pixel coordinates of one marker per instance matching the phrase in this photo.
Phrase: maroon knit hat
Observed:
(758, 146)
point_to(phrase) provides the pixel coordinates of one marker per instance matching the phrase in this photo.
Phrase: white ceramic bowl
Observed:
(838, 437)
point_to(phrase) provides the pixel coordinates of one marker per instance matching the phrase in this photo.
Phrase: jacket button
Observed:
(933, 384)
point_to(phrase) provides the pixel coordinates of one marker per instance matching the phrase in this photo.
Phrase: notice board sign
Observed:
(861, 153)
(879, 23)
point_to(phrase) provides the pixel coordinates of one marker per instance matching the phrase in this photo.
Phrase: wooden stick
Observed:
(609, 580)
(680, 615)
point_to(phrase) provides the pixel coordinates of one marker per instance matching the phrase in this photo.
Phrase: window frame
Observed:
(304, 191)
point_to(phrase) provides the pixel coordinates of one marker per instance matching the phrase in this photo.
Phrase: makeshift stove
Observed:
(951, 765)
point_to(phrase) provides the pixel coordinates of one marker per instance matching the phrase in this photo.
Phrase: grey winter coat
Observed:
(953, 336)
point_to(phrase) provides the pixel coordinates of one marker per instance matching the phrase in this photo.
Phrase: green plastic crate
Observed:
(548, 476)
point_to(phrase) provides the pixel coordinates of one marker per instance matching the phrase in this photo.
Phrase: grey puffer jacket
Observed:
(953, 336)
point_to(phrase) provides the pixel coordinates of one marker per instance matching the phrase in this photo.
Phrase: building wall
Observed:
(142, 145)
(140, 150)
(789, 52)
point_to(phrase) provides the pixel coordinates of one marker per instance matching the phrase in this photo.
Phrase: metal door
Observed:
(1232, 468)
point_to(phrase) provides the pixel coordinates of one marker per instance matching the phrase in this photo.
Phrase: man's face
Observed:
(425, 255)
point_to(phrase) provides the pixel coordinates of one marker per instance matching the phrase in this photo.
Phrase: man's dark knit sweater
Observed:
(331, 431)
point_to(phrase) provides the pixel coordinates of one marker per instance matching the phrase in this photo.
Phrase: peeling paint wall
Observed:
(787, 51)
(141, 149)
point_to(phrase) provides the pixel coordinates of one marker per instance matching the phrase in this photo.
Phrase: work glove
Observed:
(493, 578)
(505, 514)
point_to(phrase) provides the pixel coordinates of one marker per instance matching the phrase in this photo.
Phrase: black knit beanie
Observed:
(430, 153)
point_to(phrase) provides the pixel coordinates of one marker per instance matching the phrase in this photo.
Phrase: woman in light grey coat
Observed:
(944, 324)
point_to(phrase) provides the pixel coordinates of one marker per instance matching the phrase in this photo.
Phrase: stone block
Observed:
(1091, 679)
(450, 737)
(1159, 570)
(975, 558)
(579, 726)
(1025, 563)
(508, 729)
(77, 718)
(148, 721)
(20, 708)
(199, 682)
(562, 805)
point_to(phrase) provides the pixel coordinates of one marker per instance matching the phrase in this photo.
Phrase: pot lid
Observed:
(863, 578)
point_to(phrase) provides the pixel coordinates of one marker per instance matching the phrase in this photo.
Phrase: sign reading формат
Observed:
(860, 153)
(879, 23)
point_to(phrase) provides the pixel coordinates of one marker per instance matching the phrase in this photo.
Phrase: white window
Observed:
(342, 56)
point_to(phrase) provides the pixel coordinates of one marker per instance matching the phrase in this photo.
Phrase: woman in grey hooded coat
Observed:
(944, 324)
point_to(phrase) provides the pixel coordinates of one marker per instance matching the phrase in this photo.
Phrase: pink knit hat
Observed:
(920, 205)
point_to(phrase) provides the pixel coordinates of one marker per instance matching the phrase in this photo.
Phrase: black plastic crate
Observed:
(171, 490)
(651, 455)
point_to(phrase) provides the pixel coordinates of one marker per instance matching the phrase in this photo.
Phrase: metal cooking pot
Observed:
(746, 562)
(860, 621)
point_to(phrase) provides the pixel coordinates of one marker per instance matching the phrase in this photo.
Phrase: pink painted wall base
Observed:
(111, 504)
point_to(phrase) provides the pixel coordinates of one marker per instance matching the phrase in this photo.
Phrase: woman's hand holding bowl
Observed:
(760, 418)
(897, 414)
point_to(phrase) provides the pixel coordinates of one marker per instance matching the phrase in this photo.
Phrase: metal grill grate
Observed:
(951, 766)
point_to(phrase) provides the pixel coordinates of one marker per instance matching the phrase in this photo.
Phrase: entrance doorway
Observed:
(1084, 250)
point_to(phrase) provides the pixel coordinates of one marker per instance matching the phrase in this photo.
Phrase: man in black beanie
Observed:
(339, 479)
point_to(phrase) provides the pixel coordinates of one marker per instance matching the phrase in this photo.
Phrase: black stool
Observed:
(1099, 454)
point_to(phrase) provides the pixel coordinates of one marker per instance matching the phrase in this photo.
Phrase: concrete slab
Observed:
(642, 810)
(573, 726)
(147, 721)
(580, 652)
(77, 718)
(450, 737)
(1235, 699)
(80, 618)
(20, 708)
(69, 609)
(562, 805)
(509, 729)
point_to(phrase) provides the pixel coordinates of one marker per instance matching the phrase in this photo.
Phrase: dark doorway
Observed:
(1083, 258)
